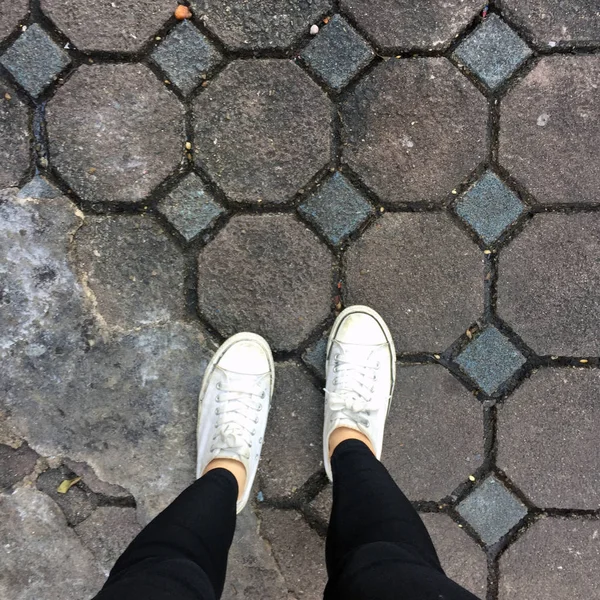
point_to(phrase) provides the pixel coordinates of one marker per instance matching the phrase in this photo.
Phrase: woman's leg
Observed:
(377, 545)
(183, 552)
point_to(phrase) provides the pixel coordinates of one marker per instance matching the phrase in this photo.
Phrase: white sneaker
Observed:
(234, 405)
(361, 372)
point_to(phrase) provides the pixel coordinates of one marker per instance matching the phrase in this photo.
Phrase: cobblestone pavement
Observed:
(258, 166)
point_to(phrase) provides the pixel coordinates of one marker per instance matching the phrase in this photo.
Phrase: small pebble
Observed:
(182, 12)
(188, 145)
(471, 478)
(314, 30)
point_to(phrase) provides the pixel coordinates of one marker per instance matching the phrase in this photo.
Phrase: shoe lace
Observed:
(237, 417)
(353, 387)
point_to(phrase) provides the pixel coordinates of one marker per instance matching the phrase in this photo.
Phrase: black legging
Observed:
(377, 545)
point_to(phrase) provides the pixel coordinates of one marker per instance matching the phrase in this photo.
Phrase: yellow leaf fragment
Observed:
(67, 484)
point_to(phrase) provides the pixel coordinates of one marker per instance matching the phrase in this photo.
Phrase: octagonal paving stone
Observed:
(11, 12)
(108, 532)
(548, 130)
(268, 274)
(556, 558)
(405, 24)
(549, 284)
(268, 24)
(547, 438)
(298, 550)
(14, 137)
(462, 559)
(293, 443)
(434, 434)
(554, 21)
(115, 132)
(422, 273)
(132, 269)
(414, 129)
(105, 26)
(41, 557)
(262, 130)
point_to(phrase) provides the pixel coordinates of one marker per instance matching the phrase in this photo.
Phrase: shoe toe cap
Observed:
(247, 357)
(360, 328)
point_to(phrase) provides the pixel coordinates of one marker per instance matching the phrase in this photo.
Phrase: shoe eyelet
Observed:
(263, 395)
(260, 407)
(253, 432)
(368, 423)
(260, 441)
(336, 357)
(256, 420)
(217, 411)
(218, 386)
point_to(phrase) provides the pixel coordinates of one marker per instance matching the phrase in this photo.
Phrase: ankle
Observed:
(341, 434)
(235, 467)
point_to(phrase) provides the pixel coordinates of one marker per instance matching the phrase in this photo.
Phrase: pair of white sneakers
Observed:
(238, 386)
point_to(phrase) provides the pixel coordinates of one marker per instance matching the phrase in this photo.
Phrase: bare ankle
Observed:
(235, 467)
(341, 434)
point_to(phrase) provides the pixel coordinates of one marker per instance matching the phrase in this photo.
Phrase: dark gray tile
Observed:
(405, 24)
(489, 206)
(109, 26)
(462, 559)
(266, 273)
(190, 208)
(292, 451)
(434, 433)
(547, 438)
(263, 130)
(549, 284)
(493, 51)
(268, 24)
(422, 274)
(552, 559)
(492, 510)
(185, 56)
(115, 132)
(338, 53)
(554, 21)
(490, 359)
(548, 134)
(34, 60)
(336, 208)
(414, 129)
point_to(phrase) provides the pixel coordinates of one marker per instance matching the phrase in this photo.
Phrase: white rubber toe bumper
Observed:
(361, 373)
(234, 405)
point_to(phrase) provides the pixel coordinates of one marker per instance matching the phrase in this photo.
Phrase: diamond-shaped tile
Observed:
(190, 208)
(316, 354)
(337, 209)
(492, 510)
(185, 56)
(493, 51)
(490, 359)
(34, 60)
(40, 188)
(489, 207)
(338, 53)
